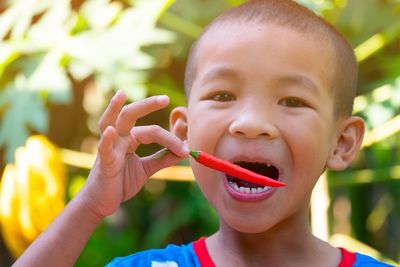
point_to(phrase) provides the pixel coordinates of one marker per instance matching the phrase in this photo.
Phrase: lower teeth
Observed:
(252, 190)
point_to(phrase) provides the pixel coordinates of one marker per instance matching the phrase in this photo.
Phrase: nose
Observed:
(250, 124)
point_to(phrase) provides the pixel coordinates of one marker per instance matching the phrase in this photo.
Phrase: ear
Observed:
(348, 143)
(178, 122)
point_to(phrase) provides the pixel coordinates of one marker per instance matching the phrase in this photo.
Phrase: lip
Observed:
(247, 197)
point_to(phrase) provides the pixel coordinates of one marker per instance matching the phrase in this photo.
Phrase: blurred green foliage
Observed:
(61, 60)
(50, 45)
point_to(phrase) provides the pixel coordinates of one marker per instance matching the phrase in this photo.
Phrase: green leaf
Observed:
(176, 97)
(79, 70)
(167, 4)
(233, 3)
(17, 17)
(8, 54)
(181, 25)
(23, 110)
(317, 6)
(53, 28)
(100, 14)
(378, 114)
(43, 72)
(50, 76)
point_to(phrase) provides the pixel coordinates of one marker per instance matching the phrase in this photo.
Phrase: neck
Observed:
(288, 244)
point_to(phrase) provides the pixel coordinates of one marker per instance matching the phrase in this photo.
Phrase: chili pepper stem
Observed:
(195, 154)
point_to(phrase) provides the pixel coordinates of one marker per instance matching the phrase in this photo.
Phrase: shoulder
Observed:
(170, 256)
(367, 261)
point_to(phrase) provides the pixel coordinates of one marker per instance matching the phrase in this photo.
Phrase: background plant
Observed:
(60, 61)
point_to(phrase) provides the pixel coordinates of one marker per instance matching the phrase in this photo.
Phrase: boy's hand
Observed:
(118, 173)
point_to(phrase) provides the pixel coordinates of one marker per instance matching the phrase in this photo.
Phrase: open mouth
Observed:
(257, 167)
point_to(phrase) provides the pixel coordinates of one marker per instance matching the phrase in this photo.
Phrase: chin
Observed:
(252, 226)
(250, 230)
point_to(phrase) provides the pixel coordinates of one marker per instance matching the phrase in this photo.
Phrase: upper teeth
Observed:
(251, 190)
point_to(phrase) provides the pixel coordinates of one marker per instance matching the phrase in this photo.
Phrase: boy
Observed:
(270, 86)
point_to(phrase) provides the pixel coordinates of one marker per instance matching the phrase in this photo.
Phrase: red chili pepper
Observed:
(233, 169)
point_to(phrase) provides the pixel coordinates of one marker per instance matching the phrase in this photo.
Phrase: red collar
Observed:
(201, 252)
(348, 258)
(200, 249)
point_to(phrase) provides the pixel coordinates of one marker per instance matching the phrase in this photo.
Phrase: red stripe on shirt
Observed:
(201, 252)
(200, 249)
(348, 258)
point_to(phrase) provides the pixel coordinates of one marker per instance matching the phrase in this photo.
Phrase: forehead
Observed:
(228, 50)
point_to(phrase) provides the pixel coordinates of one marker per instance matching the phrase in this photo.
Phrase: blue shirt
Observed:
(195, 254)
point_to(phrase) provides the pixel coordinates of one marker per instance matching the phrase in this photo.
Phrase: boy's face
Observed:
(261, 94)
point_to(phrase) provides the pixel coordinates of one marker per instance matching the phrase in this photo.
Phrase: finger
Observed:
(155, 134)
(110, 115)
(161, 153)
(106, 145)
(152, 165)
(131, 113)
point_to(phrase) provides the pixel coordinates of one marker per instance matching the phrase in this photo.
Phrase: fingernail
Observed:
(118, 94)
(162, 99)
(185, 149)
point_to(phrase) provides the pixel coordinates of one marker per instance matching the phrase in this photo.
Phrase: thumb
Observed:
(160, 160)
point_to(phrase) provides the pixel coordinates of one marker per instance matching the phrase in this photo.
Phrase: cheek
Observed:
(205, 128)
(309, 134)
(208, 181)
(310, 147)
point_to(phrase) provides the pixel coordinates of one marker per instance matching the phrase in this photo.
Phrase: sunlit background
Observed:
(61, 61)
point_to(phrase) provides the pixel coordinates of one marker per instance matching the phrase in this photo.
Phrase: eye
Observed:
(223, 97)
(292, 102)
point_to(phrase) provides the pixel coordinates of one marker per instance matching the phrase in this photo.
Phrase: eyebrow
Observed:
(220, 72)
(290, 79)
(294, 79)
